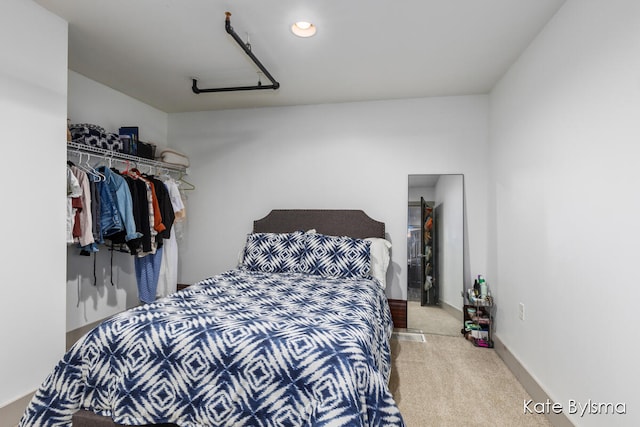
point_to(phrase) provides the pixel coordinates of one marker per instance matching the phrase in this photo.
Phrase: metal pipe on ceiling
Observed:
(247, 49)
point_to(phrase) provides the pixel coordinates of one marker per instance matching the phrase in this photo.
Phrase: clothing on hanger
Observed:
(132, 212)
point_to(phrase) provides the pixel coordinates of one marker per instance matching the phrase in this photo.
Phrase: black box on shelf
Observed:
(129, 136)
(146, 150)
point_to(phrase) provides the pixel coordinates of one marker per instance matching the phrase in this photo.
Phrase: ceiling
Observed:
(363, 50)
(422, 181)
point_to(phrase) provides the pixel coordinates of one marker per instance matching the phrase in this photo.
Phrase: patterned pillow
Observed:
(273, 252)
(331, 256)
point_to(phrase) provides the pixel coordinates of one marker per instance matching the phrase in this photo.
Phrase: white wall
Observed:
(427, 193)
(92, 102)
(564, 189)
(33, 96)
(354, 155)
(449, 202)
(565, 146)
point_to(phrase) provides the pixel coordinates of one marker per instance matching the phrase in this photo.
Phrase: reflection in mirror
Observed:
(435, 253)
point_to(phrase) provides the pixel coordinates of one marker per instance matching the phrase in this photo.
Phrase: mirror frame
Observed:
(452, 299)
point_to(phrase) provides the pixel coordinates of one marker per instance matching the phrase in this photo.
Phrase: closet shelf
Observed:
(74, 147)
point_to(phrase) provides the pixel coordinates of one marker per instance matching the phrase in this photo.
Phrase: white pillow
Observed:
(174, 157)
(240, 258)
(379, 259)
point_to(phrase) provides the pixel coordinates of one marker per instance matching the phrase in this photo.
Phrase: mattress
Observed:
(241, 348)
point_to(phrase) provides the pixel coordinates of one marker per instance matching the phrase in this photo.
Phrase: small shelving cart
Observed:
(478, 321)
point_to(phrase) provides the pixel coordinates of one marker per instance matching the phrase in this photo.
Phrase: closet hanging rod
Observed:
(247, 49)
(74, 147)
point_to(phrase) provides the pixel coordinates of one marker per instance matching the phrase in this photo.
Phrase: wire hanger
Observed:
(190, 186)
(126, 169)
(165, 173)
(93, 171)
(87, 168)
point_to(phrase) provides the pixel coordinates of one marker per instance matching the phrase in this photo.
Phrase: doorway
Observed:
(421, 253)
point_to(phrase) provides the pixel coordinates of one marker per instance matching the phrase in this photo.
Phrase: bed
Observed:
(297, 335)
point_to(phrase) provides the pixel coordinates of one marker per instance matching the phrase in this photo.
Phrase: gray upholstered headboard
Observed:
(334, 222)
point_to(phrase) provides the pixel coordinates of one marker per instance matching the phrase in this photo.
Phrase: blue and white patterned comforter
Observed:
(240, 349)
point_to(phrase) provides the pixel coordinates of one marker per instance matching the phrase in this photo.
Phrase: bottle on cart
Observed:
(483, 287)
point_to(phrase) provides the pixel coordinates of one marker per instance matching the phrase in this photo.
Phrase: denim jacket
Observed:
(116, 206)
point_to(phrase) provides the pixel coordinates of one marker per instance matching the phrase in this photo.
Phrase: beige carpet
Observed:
(446, 381)
(432, 319)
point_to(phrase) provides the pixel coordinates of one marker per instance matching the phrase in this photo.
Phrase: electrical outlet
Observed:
(521, 312)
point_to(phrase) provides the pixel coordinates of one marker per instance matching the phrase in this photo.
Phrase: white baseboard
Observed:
(532, 387)
(454, 311)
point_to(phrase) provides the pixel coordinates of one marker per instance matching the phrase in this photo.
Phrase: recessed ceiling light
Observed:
(303, 29)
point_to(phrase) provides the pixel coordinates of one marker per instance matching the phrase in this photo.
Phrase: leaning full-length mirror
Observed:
(435, 252)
